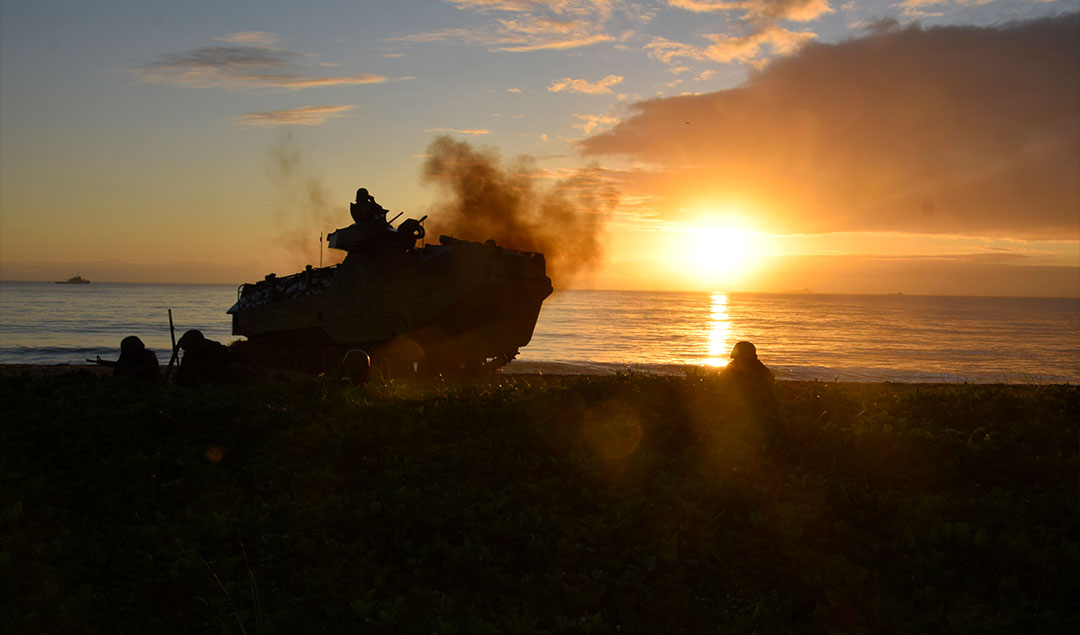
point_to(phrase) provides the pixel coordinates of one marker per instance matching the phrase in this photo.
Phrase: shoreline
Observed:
(52, 370)
(55, 370)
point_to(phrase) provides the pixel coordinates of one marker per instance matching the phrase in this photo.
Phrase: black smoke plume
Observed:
(487, 198)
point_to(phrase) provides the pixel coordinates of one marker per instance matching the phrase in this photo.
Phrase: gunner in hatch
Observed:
(365, 208)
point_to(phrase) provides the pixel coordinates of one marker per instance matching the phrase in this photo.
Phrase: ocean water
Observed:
(47, 323)
(799, 336)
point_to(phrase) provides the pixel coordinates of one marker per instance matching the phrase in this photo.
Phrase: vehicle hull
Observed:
(436, 309)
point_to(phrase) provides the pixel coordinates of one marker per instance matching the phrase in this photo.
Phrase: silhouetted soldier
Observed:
(365, 208)
(135, 362)
(752, 379)
(204, 361)
(357, 366)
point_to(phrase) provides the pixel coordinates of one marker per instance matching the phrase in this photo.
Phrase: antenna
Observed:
(320, 250)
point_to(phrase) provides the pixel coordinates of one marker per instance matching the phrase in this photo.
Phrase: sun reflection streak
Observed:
(719, 332)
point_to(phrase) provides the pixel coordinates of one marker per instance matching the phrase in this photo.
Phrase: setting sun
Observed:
(721, 251)
(716, 253)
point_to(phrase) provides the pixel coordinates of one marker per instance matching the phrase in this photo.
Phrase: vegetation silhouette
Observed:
(536, 504)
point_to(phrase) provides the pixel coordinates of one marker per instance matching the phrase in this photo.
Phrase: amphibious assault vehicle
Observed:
(430, 309)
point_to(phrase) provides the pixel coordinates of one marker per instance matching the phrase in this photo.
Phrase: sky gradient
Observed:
(740, 145)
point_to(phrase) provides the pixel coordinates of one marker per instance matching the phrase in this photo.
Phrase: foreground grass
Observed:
(628, 503)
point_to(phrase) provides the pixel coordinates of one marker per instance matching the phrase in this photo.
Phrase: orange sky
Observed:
(763, 146)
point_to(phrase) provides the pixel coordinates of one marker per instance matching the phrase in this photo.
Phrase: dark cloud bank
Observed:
(939, 130)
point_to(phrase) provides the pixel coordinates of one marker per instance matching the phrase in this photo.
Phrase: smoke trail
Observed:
(302, 210)
(489, 199)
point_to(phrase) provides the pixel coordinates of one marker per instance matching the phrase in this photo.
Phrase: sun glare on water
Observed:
(720, 334)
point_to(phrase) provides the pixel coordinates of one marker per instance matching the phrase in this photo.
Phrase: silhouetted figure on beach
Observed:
(365, 208)
(136, 361)
(357, 366)
(752, 379)
(203, 362)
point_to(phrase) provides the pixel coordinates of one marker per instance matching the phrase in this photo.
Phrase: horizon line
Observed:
(807, 292)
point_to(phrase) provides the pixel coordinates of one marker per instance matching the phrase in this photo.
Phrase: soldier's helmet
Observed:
(362, 195)
(191, 339)
(357, 366)
(131, 344)
(745, 351)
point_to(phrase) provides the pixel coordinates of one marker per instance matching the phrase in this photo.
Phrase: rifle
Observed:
(104, 362)
(175, 351)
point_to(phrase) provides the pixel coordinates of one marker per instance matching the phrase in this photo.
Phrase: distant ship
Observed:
(78, 279)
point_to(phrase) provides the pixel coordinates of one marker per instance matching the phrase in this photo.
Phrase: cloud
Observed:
(517, 36)
(757, 36)
(243, 64)
(306, 116)
(600, 87)
(668, 51)
(470, 35)
(523, 26)
(593, 123)
(780, 41)
(915, 8)
(558, 7)
(251, 38)
(460, 130)
(956, 129)
(545, 42)
(540, 26)
(730, 48)
(763, 10)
